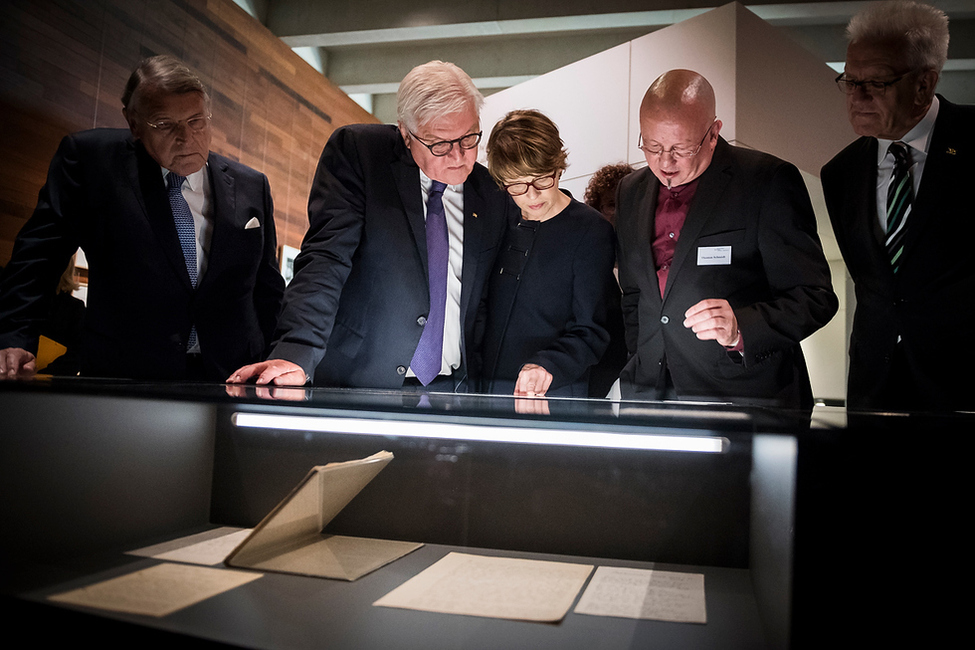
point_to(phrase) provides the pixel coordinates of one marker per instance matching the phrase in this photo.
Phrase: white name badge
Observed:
(713, 255)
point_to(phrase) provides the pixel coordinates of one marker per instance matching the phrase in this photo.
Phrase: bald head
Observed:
(678, 131)
(679, 93)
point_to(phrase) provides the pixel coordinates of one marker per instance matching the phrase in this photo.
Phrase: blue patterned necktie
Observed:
(428, 358)
(900, 196)
(186, 230)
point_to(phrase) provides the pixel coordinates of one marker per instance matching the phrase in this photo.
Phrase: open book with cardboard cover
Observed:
(290, 539)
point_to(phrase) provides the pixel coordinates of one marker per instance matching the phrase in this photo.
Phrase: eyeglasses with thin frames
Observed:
(169, 127)
(443, 147)
(540, 183)
(677, 151)
(869, 86)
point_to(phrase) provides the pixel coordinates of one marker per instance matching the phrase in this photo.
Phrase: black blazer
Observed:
(551, 300)
(107, 195)
(356, 306)
(930, 303)
(777, 282)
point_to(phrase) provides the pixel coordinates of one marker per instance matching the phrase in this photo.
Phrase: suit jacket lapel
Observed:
(712, 185)
(407, 178)
(861, 211)
(646, 209)
(155, 204)
(473, 233)
(939, 170)
(223, 215)
(139, 177)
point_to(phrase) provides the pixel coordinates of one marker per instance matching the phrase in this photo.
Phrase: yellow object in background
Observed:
(47, 351)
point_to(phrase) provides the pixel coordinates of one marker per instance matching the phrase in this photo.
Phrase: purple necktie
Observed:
(428, 358)
(186, 231)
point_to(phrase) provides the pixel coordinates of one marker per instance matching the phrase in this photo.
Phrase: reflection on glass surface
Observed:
(270, 392)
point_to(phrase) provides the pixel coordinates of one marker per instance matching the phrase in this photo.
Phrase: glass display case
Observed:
(793, 518)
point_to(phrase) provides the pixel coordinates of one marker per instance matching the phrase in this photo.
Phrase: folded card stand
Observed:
(290, 538)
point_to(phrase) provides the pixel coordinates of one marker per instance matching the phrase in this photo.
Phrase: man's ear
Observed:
(716, 130)
(926, 83)
(405, 132)
(132, 120)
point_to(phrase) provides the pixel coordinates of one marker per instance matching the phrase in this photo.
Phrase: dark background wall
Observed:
(64, 63)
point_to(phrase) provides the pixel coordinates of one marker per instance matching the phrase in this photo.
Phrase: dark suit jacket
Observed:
(106, 194)
(356, 306)
(930, 303)
(777, 283)
(550, 301)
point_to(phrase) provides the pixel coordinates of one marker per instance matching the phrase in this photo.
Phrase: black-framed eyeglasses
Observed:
(870, 86)
(677, 151)
(443, 147)
(540, 183)
(168, 127)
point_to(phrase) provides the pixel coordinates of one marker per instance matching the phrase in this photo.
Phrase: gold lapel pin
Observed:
(951, 151)
(475, 214)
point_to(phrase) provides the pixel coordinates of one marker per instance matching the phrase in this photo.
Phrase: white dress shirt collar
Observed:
(918, 138)
(426, 182)
(194, 181)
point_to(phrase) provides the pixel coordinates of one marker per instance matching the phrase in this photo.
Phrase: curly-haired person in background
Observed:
(601, 191)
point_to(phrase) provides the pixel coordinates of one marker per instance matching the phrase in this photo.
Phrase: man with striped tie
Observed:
(900, 200)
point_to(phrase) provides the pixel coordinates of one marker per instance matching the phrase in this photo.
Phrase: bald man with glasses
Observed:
(404, 228)
(720, 264)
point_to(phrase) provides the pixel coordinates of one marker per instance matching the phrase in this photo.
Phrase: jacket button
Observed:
(421, 321)
(665, 319)
(400, 370)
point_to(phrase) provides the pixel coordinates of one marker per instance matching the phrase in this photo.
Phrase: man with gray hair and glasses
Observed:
(404, 228)
(900, 202)
(180, 242)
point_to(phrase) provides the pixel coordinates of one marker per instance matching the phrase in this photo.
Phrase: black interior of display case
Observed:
(793, 524)
(665, 506)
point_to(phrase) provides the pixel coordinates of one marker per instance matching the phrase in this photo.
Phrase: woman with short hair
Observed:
(553, 287)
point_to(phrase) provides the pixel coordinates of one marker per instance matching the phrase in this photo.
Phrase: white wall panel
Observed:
(787, 102)
(705, 44)
(588, 102)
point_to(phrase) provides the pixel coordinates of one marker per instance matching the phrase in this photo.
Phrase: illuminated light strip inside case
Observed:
(474, 432)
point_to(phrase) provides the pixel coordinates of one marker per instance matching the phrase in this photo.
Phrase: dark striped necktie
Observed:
(900, 197)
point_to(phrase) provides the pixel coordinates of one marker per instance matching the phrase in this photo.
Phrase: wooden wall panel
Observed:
(64, 63)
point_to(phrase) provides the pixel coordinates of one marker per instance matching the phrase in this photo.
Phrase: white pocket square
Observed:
(253, 223)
